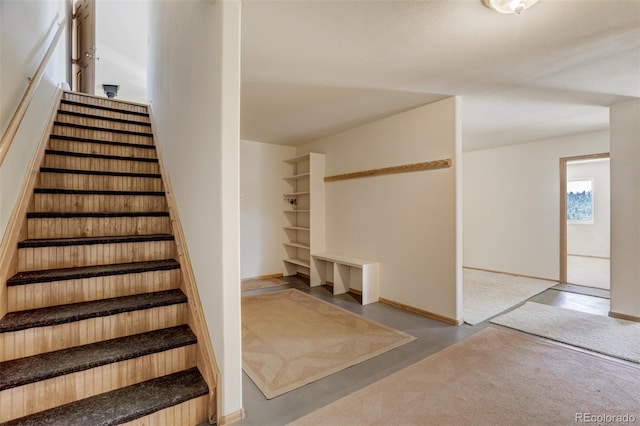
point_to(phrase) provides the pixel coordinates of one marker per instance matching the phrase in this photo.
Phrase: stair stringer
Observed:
(206, 360)
(17, 225)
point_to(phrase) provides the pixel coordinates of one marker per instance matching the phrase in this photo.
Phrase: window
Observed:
(580, 200)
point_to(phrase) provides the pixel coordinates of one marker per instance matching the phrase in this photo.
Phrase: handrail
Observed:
(14, 124)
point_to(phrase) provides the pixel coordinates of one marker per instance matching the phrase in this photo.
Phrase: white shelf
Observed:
(296, 159)
(293, 194)
(303, 181)
(298, 245)
(299, 262)
(297, 177)
(297, 228)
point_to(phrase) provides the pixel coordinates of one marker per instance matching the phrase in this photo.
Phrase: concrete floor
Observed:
(431, 336)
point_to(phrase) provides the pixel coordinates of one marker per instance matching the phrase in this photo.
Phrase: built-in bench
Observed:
(359, 276)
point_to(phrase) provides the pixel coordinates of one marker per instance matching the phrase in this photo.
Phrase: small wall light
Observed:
(111, 90)
(509, 6)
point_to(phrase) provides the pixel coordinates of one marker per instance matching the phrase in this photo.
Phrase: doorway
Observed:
(585, 224)
(83, 48)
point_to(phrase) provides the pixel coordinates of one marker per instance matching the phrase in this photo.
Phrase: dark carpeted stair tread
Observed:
(123, 405)
(45, 366)
(98, 173)
(101, 141)
(50, 275)
(106, 108)
(84, 241)
(95, 192)
(63, 314)
(100, 117)
(100, 156)
(102, 129)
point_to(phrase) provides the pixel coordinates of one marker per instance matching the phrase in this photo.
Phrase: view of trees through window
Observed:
(580, 200)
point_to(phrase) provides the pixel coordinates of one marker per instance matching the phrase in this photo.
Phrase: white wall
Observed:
(406, 221)
(198, 116)
(261, 207)
(512, 204)
(625, 208)
(26, 30)
(122, 34)
(592, 239)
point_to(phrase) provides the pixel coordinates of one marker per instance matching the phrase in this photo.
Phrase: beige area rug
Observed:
(495, 377)
(610, 336)
(486, 294)
(290, 339)
(257, 283)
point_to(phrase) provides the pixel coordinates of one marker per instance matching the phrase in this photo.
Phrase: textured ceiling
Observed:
(314, 68)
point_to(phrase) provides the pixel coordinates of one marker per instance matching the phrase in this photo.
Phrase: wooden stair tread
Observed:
(55, 315)
(101, 141)
(106, 108)
(101, 129)
(101, 117)
(100, 156)
(96, 192)
(46, 215)
(98, 173)
(63, 274)
(84, 241)
(125, 404)
(48, 365)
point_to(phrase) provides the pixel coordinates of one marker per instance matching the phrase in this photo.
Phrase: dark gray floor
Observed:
(431, 336)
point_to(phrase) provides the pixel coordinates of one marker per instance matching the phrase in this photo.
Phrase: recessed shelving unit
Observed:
(303, 212)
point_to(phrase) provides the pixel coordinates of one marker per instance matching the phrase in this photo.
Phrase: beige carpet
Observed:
(257, 283)
(486, 294)
(495, 377)
(610, 336)
(290, 339)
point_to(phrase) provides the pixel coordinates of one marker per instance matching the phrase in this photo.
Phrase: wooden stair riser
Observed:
(103, 123)
(103, 135)
(78, 203)
(99, 164)
(89, 100)
(76, 227)
(40, 295)
(192, 412)
(83, 109)
(100, 149)
(28, 399)
(33, 341)
(98, 182)
(38, 258)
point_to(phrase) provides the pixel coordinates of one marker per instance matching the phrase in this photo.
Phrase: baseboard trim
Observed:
(419, 311)
(303, 275)
(231, 418)
(511, 273)
(355, 291)
(263, 277)
(627, 317)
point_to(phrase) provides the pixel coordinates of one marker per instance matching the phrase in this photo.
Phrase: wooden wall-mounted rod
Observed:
(405, 168)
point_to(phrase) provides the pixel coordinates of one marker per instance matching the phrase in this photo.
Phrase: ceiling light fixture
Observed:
(509, 6)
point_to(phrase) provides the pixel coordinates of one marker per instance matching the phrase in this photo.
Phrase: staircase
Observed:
(98, 324)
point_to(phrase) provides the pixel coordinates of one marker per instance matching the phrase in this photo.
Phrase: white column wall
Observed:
(261, 207)
(198, 132)
(408, 222)
(625, 208)
(512, 204)
(26, 31)
(122, 41)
